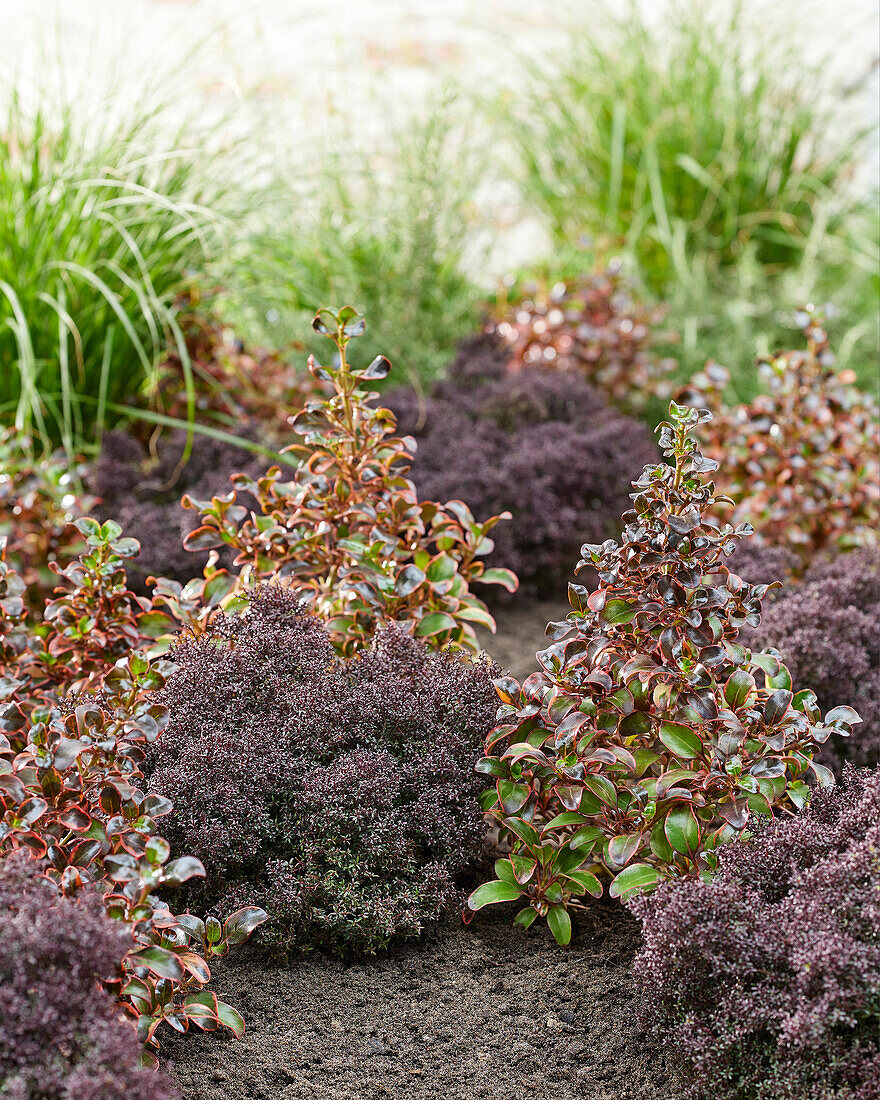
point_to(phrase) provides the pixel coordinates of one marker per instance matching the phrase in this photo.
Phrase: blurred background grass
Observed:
(406, 163)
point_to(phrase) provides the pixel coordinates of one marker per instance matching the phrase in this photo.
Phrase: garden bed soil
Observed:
(520, 634)
(481, 1012)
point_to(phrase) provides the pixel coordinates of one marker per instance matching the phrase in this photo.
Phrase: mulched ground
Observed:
(520, 632)
(483, 1012)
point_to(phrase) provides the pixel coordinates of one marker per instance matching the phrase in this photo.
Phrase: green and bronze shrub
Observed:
(91, 622)
(338, 793)
(349, 529)
(225, 382)
(78, 709)
(802, 461)
(650, 734)
(765, 981)
(61, 1034)
(592, 326)
(39, 497)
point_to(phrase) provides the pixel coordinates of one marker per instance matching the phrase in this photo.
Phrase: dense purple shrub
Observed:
(143, 496)
(767, 979)
(828, 630)
(543, 444)
(338, 794)
(764, 564)
(62, 1037)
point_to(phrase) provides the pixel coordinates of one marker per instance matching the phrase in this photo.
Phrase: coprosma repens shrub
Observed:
(39, 497)
(61, 1033)
(591, 326)
(802, 461)
(78, 706)
(766, 980)
(650, 734)
(337, 793)
(230, 383)
(542, 444)
(349, 529)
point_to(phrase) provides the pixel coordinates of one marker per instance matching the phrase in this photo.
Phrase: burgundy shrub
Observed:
(338, 791)
(541, 444)
(62, 1036)
(144, 496)
(766, 980)
(828, 631)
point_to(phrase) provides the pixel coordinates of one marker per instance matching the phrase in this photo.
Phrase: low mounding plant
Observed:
(650, 734)
(92, 621)
(78, 708)
(61, 1034)
(828, 631)
(593, 326)
(338, 793)
(349, 529)
(38, 500)
(542, 445)
(143, 495)
(766, 980)
(801, 461)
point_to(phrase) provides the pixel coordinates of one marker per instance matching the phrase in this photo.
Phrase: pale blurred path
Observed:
(295, 61)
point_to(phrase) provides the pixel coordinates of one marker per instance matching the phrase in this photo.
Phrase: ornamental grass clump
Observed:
(593, 326)
(77, 708)
(650, 734)
(802, 461)
(349, 529)
(61, 1034)
(543, 445)
(766, 980)
(337, 793)
(828, 631)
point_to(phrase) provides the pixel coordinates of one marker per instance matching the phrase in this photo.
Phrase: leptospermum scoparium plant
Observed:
(650, 734)
(349, 530)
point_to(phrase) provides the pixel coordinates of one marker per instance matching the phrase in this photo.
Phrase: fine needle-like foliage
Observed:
(765, 982)
(650, 735)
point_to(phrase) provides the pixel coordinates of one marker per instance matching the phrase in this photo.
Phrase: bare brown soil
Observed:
(482, 1012)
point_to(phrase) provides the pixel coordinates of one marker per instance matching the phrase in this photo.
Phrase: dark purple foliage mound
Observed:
(62, 1037)
(828, 630)
(144, 496)
(338, 794)
(764, 564)
(543, 444)
(767, 980)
